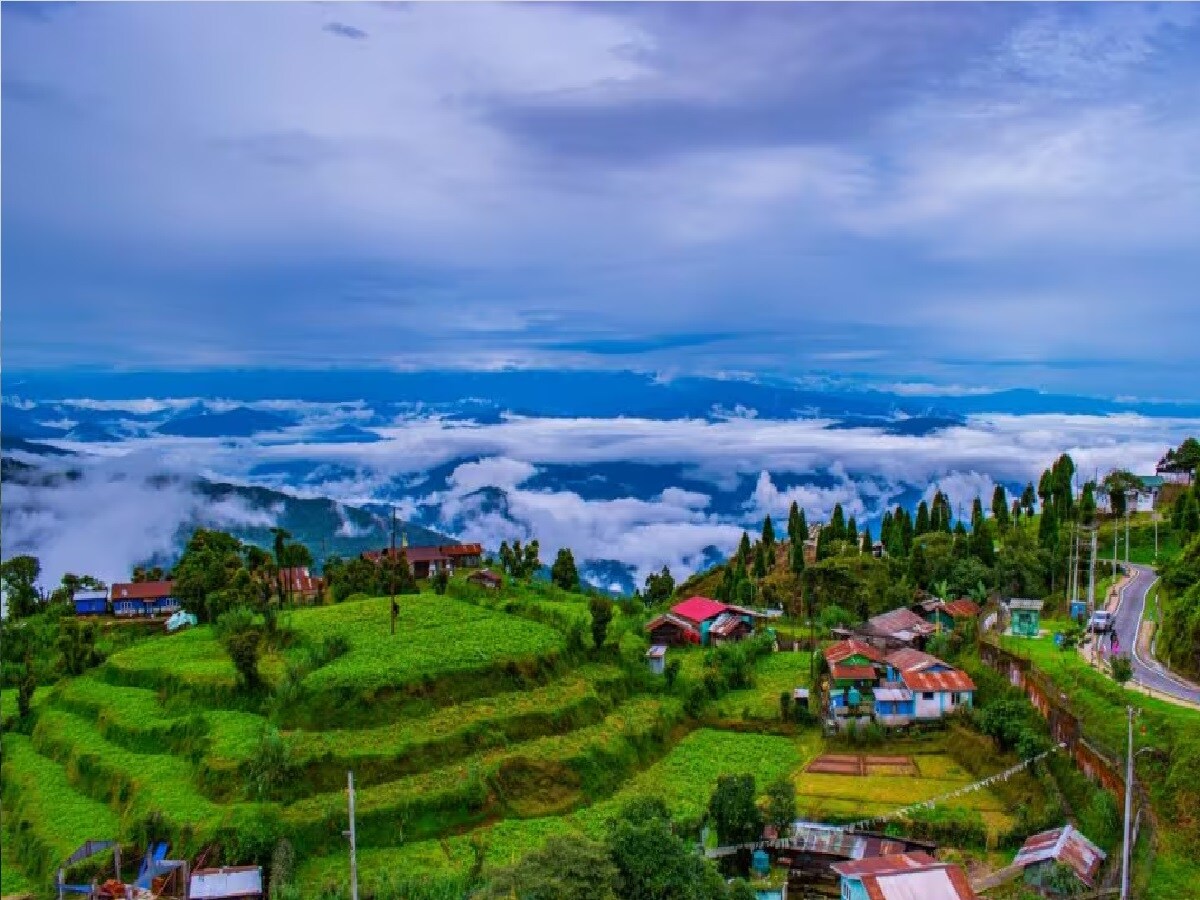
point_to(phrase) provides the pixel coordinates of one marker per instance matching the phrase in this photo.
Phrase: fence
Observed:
(1094, 761)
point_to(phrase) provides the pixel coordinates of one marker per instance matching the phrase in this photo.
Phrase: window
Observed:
(927, 695)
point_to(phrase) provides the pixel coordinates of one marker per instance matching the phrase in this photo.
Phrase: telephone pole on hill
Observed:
(353, 839)
(1125, 848)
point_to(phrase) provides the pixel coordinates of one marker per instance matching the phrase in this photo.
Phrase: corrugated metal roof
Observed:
(931, 884)
(230, 881)
(658, 651)
(909, 660)
(893, 694)
(845, 649)
(852, 673)
(953, 680)
(1025, 603)
(1067, 846)
(902, 619)
(142, 590)
(879, 865)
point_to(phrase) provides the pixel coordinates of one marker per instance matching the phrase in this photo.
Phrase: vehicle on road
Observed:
(1101, 622)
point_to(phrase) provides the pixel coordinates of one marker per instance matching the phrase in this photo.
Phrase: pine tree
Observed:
(922, 526)
(1027, 498)
(795, 534)
(1016, 510)
(1048, 528)
(976, 513)
(837, 523)
(796, 558)
(768, 533)
(1087, 504)
(743, 551)
(851, 535)
(760, 561)
(867, 545)
(1000, 506)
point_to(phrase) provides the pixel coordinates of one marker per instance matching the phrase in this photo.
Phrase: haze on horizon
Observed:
(964, 195)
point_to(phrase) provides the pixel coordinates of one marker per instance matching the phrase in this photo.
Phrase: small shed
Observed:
(91, 603)
(1066, 846)
(1026, 616)
(656, 658)
(486, 578)
(226, 882)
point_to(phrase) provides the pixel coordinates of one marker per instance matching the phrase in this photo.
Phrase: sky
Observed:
(962, 194)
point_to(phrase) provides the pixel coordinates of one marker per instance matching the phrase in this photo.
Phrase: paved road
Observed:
(1146, 670)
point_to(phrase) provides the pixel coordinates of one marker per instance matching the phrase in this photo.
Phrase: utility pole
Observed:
(392, 571)
(1126, 849)
(1126, 534)
(1092, 575)
(353, 840)
(1116, 539)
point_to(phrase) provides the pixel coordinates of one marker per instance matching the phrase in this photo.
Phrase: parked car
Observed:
(1101, 622)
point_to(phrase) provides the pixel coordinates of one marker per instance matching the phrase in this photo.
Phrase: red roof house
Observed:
(698, 609)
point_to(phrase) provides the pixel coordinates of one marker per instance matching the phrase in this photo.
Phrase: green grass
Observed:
(8, 702)
(774, 674)
(191, 661)
(47, 819)
(132, 782)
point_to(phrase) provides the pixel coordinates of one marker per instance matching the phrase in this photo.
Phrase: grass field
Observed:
(774, 674)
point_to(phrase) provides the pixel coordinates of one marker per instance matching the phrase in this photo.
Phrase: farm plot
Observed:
(824, 792)
(435, 637)
(774, 674)
(191, 661)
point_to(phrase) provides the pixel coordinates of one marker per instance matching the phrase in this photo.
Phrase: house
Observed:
(854, 668)
(699, 620)
(656, 658)
(1173, 472)
(1146, 496)
(144, 598)
(464, 556)
(1042, 852)
(936, 687)
(1026, 616)
(486, 578)
(903, 876)
(427, 561)
(225, 882)
(90, 603)
(946, 616)
(899, 627)
(296, 582)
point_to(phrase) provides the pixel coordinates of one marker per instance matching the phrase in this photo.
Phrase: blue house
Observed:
(91, 603)
(936, 688)
(144, 598)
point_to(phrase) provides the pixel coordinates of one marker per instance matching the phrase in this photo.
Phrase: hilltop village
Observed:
(944, 709)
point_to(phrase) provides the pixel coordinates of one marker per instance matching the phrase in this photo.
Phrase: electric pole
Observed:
(1127, 534)
(353, 840)
(392, 571)
(1126, 849)
(1092, 574)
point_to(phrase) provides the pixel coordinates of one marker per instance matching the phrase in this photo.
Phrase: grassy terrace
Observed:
(1100, 702)
(47, 818)
(774, 674)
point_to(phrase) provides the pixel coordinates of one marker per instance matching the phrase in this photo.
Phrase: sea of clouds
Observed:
(706, 479)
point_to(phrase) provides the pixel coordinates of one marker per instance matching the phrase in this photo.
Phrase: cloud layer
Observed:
(957, 193)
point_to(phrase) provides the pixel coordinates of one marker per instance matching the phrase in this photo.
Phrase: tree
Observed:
(660, 587)
(922, 526)
(653, 863)
(797, 526)
(242, 640)
(20, 575)
(760, 561)
(1087, 504)
(768, 533)
(1117, 486)
(77, 644)
(796, 557)
(441, 580)
(1121, 668)
(207, 567)
(781, 805)
(531, 559)
(743, 550)
(733, 810)
(868, 545)
(563, 573)
(26, 687)
(602, 613)
(851, 535)
(566, 867)
(1000, 506)
(837, 523)
(671, 672)
(1027, 498)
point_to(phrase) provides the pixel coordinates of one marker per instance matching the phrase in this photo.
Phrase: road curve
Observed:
(1146, 671)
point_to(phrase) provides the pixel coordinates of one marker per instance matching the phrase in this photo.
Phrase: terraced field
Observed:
(470, 731)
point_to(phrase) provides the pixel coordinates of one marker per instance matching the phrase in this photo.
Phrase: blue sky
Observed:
(966, 194)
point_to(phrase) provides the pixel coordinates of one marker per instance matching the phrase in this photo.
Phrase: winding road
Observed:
(1146, 670)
